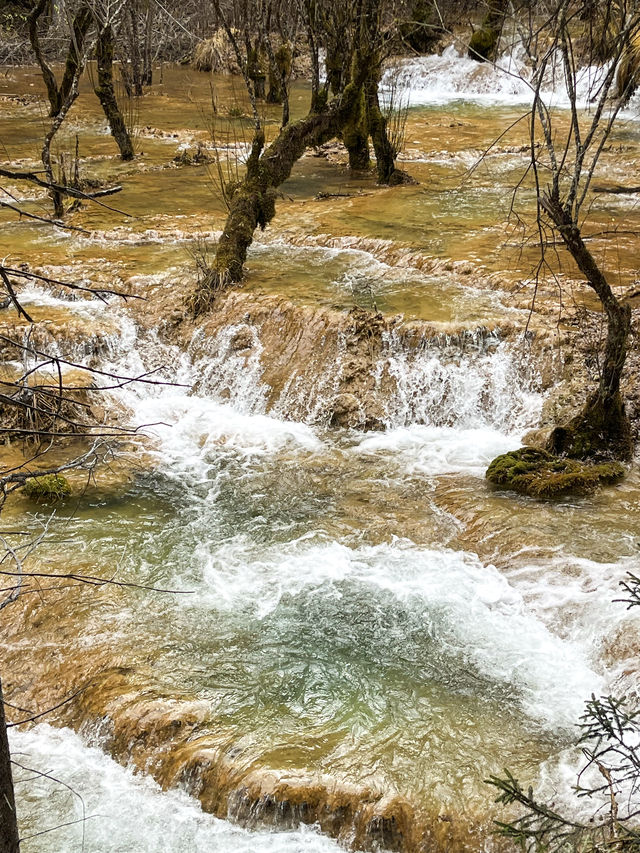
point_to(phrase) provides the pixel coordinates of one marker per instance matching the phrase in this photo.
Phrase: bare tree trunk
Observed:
(147, 67)
(75, 54)
(48, 76)
(56, 124)
(602, 428)
(9, 839)
(106, 92)
(135, 59)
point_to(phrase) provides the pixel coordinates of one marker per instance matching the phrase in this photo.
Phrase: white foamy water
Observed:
(534, 640)
(471, 612)
(433, 450)
(34, 294)
(470, 383)
(193, 430)
(454, 76)
(452, 412)
(124, 812)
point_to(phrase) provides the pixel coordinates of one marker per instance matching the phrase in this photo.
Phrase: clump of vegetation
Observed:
(542, 475)
(196, 156)
(215, 54)
(50, 488)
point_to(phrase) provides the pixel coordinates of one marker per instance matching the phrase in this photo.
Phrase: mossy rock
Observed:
(543, 475)
(483, 43)
(49, 488)
(424, 29)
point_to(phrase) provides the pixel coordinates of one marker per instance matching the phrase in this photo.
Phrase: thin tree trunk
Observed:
(9, 839)
(106, 93)
(75, 53)
(602, 428)
(147, 70)
(134, 46)
(53, 93)
(56, 124)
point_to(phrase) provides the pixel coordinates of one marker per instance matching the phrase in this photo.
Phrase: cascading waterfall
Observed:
(469, 380)
(114, 804)
(454, 76)
(249, 531)
(371, 631)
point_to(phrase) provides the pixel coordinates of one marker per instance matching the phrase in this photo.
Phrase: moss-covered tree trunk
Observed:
(106, 92)
(423, 28)
(255, 71)
(280, 67)
(353, 114)
(602, 428)
(384, 150)
(252, 204)
(355, 135)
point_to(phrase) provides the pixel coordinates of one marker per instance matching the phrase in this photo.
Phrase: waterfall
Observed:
(453, 76)
(466, 381)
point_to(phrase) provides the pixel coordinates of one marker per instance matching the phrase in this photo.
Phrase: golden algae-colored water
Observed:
(364, 629)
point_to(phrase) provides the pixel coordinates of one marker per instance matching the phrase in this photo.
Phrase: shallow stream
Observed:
(357, 610)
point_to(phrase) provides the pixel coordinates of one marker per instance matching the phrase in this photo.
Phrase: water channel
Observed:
(361, 620)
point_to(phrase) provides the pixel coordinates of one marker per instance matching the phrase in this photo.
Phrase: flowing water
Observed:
(362, 629)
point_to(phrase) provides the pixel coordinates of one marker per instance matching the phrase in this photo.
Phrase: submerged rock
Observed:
(49, 488)
(542, 475)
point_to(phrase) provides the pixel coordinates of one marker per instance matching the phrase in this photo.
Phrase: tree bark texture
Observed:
(57, 95)
(9, 840)
(48, 76)
(483, 44)
(602, 428)
(106, 92)
(355, 135)
(353, 114)
(81, 24)
(252, 203)
(385, 154)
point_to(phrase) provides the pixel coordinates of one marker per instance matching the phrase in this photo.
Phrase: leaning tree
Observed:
(354, 38)
(565, 152)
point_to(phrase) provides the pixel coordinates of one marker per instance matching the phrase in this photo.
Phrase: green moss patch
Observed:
(483, 43)
(543, 475)
(49, 488)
